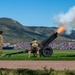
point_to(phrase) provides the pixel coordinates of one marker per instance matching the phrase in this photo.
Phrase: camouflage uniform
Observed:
(1, 42)
(34, 46)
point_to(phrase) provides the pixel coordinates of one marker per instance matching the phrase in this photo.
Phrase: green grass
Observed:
(57, 55)
(35, 72)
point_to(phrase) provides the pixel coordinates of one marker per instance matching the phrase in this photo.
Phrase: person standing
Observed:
(1, 42)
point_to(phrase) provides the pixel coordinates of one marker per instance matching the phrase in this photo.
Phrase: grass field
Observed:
(35, 72)
(57, 55)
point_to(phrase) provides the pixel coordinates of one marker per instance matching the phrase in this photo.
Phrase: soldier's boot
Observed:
(37, 53)
(29, 53)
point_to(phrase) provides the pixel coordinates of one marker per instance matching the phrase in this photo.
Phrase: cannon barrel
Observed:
(46, 50)
(49, 39)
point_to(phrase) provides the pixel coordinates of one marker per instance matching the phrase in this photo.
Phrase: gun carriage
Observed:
(45, 50)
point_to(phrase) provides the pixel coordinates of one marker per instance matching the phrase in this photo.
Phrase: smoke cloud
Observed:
(67, 19)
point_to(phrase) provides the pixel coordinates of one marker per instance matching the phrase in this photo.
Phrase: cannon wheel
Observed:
(47, 51)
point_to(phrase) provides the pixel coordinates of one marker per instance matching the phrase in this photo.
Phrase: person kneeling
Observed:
(34, 48)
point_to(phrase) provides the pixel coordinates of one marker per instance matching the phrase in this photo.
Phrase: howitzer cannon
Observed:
(45, 49)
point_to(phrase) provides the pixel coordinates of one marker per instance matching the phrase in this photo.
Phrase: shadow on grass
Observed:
(70, 55)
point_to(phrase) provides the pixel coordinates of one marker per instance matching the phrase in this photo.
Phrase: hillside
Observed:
(47, 31)
(16, 32)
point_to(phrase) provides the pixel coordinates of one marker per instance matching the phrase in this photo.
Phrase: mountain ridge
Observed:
(16, 32)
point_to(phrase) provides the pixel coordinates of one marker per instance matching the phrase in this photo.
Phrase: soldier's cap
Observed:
(1, 32)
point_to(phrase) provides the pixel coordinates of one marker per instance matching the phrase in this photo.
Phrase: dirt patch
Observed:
(56, 65)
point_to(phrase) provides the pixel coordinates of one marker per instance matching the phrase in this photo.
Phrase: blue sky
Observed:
(34, 12)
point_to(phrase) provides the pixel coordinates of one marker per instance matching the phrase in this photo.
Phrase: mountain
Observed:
(13, 31)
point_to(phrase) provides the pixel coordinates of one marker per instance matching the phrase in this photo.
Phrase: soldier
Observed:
(35, 47)
(1, 42)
